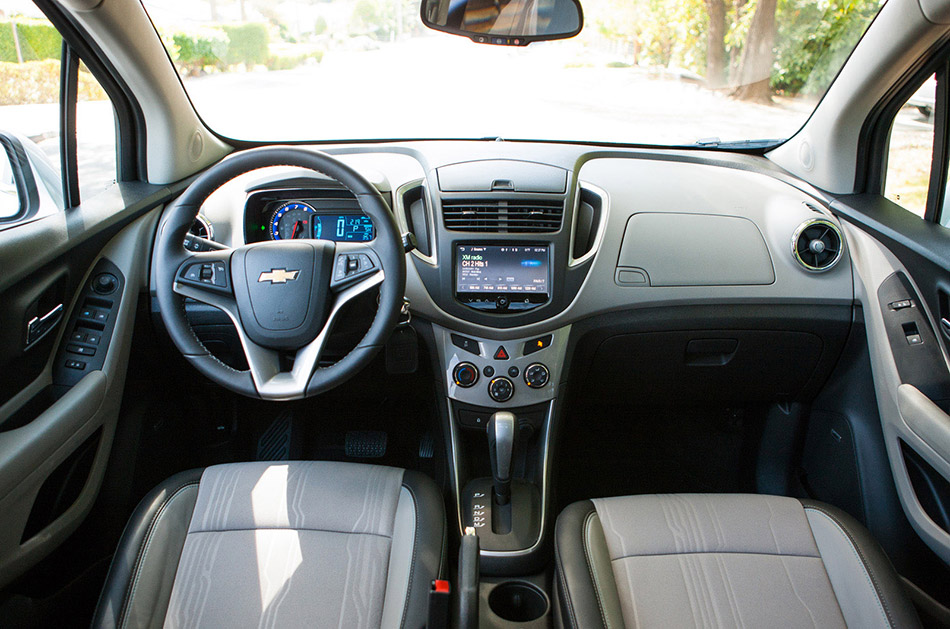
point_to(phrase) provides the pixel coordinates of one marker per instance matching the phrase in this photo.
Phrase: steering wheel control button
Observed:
(207, 274)
(467, 344)
(513, 371)
(501, 389)
(536, 345)
(536, 376)
(465, 375)
(105, 283)
(501, 353)
(352, 265)
(489, 371)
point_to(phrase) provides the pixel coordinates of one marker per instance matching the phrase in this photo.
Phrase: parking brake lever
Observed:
(468, 581)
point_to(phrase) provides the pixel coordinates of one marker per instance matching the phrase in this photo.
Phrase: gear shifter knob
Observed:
(502, 434)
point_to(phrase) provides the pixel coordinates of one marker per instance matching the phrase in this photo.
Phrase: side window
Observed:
(95, 136)
(910, 150)
(30, 50)
(31, 68)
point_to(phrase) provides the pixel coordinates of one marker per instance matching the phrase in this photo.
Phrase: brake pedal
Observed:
(365, 444)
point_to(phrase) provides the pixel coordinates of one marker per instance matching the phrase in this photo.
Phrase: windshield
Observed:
(668, 72)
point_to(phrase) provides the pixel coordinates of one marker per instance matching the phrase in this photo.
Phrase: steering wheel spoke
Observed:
(264, 363)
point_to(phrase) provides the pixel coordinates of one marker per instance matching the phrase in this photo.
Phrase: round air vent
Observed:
(817, 245)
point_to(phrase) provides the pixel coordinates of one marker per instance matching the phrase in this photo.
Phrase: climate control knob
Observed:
(465, 375)
(501, 389)
(536, 375)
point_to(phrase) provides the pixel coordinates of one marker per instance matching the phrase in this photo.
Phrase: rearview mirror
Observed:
(505, 22)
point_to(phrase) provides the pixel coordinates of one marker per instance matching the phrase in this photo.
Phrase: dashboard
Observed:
(528, 249)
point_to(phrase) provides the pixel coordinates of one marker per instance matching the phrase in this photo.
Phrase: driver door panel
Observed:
(57, 423)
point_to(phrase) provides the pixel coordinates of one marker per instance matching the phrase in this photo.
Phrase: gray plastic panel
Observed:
(502, 175)
(696, 250)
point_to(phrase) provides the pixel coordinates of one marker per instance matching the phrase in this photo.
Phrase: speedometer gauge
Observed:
(292, 220)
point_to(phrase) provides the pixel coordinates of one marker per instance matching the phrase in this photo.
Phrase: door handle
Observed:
(38, 327)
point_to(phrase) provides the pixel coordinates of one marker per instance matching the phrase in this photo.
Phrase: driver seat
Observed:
(279, 544)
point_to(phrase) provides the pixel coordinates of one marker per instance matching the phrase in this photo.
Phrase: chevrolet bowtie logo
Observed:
(278, 276)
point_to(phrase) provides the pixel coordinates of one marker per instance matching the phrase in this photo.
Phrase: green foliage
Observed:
(814, 40)
(813, 37)
(384, 20)
(288, 63)
(321, 26)
(199, 49)
(247, 44)
(37, 82)
(659, 32)
(38, 40)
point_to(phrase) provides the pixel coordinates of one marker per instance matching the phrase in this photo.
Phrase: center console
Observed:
(504, 248)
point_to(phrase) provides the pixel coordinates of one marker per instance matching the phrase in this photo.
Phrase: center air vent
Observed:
(511, 217)
(817, 245)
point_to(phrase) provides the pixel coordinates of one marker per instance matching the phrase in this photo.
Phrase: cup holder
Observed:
(517, 601)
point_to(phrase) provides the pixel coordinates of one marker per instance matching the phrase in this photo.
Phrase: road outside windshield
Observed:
(641, 71)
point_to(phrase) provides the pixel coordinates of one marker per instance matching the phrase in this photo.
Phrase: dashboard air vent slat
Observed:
(513, 217)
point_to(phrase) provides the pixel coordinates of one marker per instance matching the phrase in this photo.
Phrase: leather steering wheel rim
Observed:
(171, 257)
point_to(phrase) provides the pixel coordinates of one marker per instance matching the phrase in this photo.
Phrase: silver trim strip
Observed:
(601, 228)
(798, 232)
(399, 210)
(545, 482)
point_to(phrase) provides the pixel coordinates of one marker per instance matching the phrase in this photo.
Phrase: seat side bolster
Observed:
(140, 579)
(865, 583)
(602, 572)
(417, 555)
(586, 591)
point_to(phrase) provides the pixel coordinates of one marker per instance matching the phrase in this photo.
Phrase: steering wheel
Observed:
(282, 296)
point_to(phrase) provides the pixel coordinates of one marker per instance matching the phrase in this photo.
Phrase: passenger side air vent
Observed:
(512, 217)
(817, 245)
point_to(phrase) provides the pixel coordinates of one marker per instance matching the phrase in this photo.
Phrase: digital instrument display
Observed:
(299, 220)
(502, 277)
(343, 227)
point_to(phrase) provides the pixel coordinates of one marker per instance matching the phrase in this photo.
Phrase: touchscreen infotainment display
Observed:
(515, 275)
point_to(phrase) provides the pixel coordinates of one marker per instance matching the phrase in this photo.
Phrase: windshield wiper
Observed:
(735, 144)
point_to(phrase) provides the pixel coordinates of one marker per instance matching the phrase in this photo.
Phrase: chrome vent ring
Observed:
(817, 245)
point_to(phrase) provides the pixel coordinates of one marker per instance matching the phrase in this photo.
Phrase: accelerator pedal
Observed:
(365, 444)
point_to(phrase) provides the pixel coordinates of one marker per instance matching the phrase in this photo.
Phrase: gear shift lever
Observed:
(502, 436)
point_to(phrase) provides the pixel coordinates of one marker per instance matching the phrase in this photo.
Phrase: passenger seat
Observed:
(714, 560)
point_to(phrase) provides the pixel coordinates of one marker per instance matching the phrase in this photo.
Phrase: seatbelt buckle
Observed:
(439, 604)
